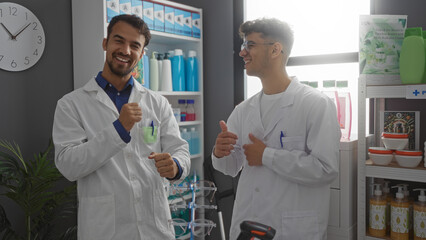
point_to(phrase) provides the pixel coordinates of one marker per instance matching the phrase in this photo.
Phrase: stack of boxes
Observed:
(158, 16)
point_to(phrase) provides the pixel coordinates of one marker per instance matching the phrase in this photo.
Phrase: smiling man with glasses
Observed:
(285, 140)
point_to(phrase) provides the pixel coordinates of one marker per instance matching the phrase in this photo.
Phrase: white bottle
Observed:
(166, 75)
(195, 141)
(160, 69)
(153, 72)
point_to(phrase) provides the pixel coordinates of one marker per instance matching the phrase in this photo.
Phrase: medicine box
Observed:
(159, 17)
(148, 14)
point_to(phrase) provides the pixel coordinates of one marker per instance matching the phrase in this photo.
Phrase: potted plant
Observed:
(31, 185)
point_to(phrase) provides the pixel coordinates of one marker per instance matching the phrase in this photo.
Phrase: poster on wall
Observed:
(380, 42)
(402, 122)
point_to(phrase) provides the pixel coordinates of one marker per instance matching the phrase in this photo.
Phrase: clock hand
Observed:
(21, 30)
(7, 30)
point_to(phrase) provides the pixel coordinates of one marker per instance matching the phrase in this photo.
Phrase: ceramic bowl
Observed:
(380, 155)
(409, 159)
(395, 143)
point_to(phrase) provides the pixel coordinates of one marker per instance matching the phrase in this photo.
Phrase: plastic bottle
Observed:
(399, 216)
(182, 106)
(160, 69)
(195, 141)
(377, 220)
(190, 110)
(145, 69)
(419, 216)
(344, 115)
(192, 72)
(412, 59)
(387, 195)
(178, 71)
(176, 113)
(187, 137)
(153, 72)
(166, 81)
(410, 211)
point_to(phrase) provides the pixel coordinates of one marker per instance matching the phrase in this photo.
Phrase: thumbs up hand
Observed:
(224, 141)
(254, 151)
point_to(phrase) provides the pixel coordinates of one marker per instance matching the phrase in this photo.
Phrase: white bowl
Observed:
(407, 158)
(395, 143)
(381, 159)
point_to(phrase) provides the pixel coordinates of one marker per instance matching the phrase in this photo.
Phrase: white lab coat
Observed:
(291, 191)
(121, 195)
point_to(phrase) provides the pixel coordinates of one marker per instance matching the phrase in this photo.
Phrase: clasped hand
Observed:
(226, 140)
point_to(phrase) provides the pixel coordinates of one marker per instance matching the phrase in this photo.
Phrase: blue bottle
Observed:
(178, 71)
(191, 72)
(145, 70)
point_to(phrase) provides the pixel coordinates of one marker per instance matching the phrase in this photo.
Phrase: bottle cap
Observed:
(153, 55)
(400, 193)
(184, 130)
(192, 53)
(181, 101)
(193, 129)
(178, 52)
(377, 191)
(190, 101)
(386, 188)
(166, 55)
(422, 197)
(415, 31)
(159, 56)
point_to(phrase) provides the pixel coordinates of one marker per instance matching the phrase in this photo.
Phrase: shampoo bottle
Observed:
(166, 81)
(410, 211)
(145, 69)
(412, 59)
(399, 216)
(160, 69)
(377, 220)
(387, 195)
(178, 71)
(195, 141)
(191, 72)
(187, 137)
(153, 72)
(419, 216)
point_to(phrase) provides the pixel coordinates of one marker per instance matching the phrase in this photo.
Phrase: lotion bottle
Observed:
(166, 81)
(399, 216)
(153, 72)
(412, 59)
(419, 216)
(377, 220)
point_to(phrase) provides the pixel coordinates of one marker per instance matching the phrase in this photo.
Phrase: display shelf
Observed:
(393, 171)
(180, 93)
(169, 38)
(189, 123)
(366, 169)
(196, 156)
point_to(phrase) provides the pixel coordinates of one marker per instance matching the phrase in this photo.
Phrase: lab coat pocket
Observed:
(162, 212)
(149, 134)
(300, 225)
(96, 218)
(293, 143)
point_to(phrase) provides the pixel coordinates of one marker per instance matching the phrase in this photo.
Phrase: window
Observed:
(325, 45)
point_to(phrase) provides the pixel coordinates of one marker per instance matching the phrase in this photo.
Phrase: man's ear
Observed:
(104, 44)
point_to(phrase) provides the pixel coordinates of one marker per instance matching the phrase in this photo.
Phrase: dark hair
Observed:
(270, 28)
(133, 20)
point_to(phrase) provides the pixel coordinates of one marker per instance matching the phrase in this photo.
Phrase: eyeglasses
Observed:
(247, 45)
(199, 227)
(201, 187)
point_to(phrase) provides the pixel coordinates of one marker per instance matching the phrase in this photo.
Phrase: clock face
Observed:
(22, 38)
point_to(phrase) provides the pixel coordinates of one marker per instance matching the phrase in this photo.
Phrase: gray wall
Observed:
(28, 98)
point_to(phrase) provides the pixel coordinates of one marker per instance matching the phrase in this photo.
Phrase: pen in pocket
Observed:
(152, 126)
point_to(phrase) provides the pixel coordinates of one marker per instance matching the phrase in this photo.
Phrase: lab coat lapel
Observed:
(101, 96)
(137, 91)
(286, 100)
(254, 117)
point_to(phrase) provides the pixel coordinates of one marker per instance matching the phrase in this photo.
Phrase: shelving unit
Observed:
(89, 27)
(366, 169)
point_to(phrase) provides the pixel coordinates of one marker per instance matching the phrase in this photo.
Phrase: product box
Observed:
(402, 122)
(187, 23)
(137, 8)
(196, 25)
(112, 9)
(125, 7)
(148, 14)
(159, 17)
(179, 22)
(169, 19)
(380, 42)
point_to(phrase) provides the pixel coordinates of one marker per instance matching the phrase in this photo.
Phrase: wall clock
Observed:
(22, 38)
